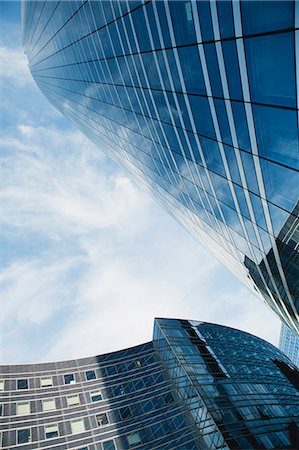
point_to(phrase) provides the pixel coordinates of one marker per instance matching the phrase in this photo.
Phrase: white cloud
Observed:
(89, 258)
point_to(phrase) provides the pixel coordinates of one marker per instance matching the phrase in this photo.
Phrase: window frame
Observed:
(96, 393)
(76, 421)
(48, 400)
(22, 388)
(55, 425)
(73, 381)
(29, 439)
(18, 404)
(72, 396)
(46, 378)
(90, 371)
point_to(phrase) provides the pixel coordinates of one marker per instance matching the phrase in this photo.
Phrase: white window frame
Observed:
(20, 405)
(49, 404)
(77, 421)
(44, 383)
(1, 385)
(94, 394)
(50, 429)
(70, 403)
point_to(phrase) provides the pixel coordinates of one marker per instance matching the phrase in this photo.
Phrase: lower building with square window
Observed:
(196, 385)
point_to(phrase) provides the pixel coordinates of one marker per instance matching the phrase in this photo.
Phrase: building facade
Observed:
(195, 386)
(289, 344)
(199, 101)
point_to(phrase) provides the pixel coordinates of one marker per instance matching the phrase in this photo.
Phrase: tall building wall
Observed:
(289, 344)
(199, 101)
(116, 401)
(241, 391)
(195, 386)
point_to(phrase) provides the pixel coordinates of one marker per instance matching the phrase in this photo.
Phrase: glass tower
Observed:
(199, 101)
(289, 344)
(195, 386)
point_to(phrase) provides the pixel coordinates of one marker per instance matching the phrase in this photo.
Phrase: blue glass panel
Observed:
(288, 181)
(225, 17)
(223, 121)
(202, 116)
(241, 125)
(205, 19)
(277, 134)
(141, 30)
(182, 20)
(262, 16)
(213, 69)
(163, 24)
(232, 69)
(192, 70)
(271, 69)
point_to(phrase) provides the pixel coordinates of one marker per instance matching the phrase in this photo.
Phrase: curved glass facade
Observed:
(289, 344)
(199, 101)
(195, 386)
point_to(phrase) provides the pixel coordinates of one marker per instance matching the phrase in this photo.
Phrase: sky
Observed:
(88, 259)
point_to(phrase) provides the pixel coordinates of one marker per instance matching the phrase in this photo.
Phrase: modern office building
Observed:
(289, 344)
(199, 101)
(195, 386)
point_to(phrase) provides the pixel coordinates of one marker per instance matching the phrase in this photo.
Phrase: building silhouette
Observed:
(198, 100)
(195, 386)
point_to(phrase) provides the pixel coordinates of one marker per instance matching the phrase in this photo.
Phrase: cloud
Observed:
(89, 259)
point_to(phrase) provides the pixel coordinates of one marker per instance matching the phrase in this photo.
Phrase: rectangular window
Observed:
(96, 396)
(1, 385)
(77, 426)
(23, 408)
(102, 419)
(49, 405)
(69, 378)
(90, 375)
(22, 384)
(24, 436)
(73, 400)
(133, 439)
(46, 381)
(109, 445)
(51, 431)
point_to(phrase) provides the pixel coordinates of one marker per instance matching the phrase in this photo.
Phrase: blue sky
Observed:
(88, 259)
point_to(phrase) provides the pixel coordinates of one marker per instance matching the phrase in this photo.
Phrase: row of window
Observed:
(23, 408)
(69, 378)
(77, 426)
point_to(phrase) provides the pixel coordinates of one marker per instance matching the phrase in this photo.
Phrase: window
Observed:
(51, 431)
(1, 385)
(23, 408)
(96, 396)
(22, 384)
(134, 438)
(24, 436)
(102, 419)
(73, 400)
(49, 405)
(125, 412)
(90, 375)
(69, 379)
(109, 445)
(46, 381)
(77, 426)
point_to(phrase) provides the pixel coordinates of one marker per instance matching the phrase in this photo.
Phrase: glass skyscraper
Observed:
(289, 344)
(195, 386)
(199, 101)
